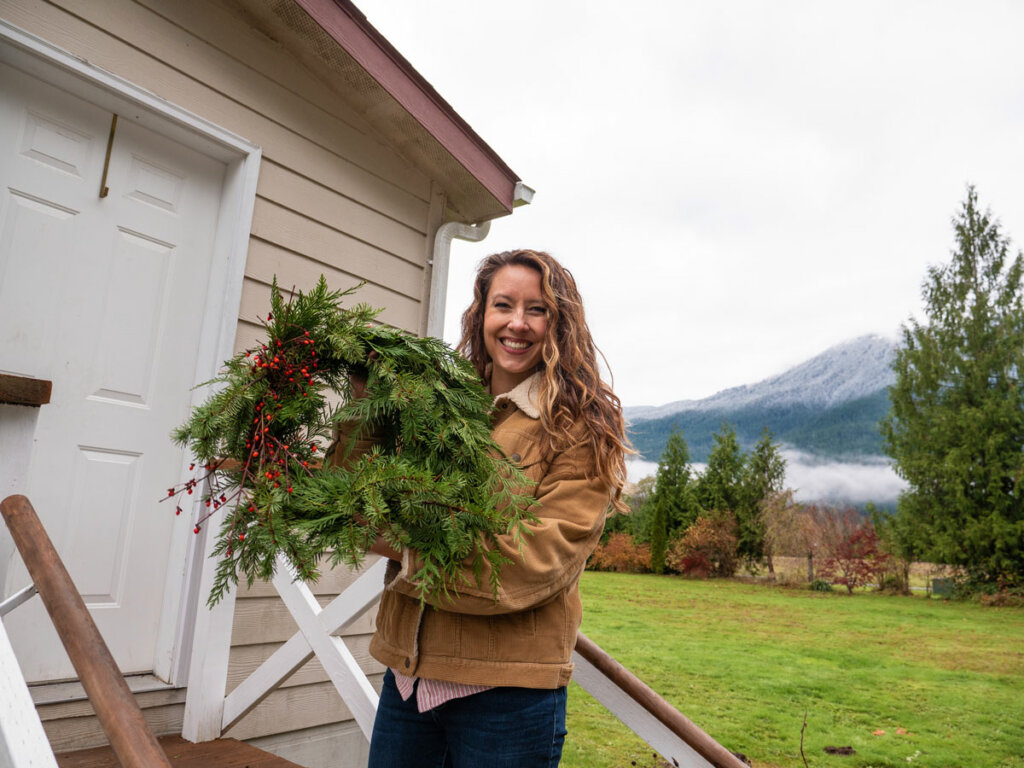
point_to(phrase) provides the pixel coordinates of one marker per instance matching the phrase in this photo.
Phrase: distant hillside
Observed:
(829, 406)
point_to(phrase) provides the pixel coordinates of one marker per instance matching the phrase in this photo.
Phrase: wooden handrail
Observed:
(118, 712)
(665, 713)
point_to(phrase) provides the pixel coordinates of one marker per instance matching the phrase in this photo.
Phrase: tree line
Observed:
(954, 430)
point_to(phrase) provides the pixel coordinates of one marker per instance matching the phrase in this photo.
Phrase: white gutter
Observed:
(456, 230)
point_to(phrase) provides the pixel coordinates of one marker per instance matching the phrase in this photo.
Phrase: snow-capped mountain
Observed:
(829, 406)
(845, 372)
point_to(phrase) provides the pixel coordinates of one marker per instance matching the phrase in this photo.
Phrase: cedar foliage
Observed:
(435, 481)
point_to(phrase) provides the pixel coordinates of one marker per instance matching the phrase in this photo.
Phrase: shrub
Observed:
(708, 548)
(856, 559)
(820, 585)
(621, 554)
(893, 584)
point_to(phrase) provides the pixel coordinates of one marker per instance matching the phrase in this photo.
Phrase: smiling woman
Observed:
(475, 680)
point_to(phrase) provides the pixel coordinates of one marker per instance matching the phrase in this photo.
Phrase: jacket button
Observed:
(407, 663)
(516, 457)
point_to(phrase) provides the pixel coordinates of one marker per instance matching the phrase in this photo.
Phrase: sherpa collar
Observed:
(525, 395)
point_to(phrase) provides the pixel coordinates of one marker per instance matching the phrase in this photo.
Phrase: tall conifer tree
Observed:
(672, 498)
(764, 475)
(720, 486)
(956, 425)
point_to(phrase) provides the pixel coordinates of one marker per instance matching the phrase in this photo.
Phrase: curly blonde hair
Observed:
(572, 393)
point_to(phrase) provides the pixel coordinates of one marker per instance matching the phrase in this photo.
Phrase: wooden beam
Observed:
(21, 390)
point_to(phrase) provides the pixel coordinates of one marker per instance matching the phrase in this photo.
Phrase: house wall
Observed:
(332, 200)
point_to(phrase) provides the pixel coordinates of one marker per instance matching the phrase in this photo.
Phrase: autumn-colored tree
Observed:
(707, 548)
(621, 553)
(857, 559)
(792, 529)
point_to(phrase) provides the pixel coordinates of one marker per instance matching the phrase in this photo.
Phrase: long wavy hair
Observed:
(572, 393)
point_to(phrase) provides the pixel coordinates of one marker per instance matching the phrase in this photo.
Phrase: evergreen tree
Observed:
(672, 499)
(956, 426)
(641, 510)
(720, 487)
(764, 475)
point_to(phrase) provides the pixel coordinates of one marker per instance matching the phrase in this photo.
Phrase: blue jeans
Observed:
(497, 728)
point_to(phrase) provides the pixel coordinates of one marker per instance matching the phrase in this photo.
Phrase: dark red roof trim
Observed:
(353, 32)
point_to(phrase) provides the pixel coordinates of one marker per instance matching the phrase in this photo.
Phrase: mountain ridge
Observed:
(828, 406)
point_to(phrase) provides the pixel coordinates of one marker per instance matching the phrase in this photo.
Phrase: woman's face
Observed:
(515, 324)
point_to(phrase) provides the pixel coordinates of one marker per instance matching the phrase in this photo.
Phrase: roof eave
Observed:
(349, 27)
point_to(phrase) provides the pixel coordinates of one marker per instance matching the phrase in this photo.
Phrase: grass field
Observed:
(943, 680)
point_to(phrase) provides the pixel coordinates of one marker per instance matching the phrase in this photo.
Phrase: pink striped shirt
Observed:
(433, 693)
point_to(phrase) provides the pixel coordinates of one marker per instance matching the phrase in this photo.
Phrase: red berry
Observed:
(177, 510)
(241, 537)
(196, 529)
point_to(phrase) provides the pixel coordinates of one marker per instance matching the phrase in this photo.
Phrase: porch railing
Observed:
(209, 712)
(116, 709)
(665, 729)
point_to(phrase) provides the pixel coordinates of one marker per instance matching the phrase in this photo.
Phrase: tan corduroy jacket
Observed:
(524, 638)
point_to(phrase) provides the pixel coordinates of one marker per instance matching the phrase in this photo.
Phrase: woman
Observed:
(474, 681)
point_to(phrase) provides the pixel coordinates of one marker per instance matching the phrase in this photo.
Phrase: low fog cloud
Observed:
(814, 479)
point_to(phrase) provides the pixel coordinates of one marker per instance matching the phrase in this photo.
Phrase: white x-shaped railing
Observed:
(316, 637)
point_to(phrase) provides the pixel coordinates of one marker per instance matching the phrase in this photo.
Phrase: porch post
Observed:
(211, 647)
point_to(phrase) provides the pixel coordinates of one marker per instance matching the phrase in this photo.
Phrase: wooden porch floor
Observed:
(221, 753)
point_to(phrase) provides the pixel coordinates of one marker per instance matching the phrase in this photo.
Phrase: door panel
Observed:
(104, 297)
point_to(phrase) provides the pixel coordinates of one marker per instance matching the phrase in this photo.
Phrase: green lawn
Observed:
(944, 680)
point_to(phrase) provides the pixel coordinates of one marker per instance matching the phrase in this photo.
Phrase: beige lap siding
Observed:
(332, 198)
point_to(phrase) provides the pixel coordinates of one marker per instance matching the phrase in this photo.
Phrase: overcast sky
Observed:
(736, 185)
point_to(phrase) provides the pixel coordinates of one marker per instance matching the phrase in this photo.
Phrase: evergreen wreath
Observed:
(434, 481)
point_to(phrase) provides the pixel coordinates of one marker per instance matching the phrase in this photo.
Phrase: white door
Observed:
(105, 298)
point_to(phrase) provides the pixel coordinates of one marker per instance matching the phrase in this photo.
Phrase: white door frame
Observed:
(54, 65)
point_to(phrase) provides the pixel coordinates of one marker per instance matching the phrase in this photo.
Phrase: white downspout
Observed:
(453, 230)
(474, 233)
